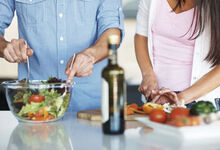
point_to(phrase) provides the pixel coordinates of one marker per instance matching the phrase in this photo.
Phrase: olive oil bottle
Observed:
(113, 92)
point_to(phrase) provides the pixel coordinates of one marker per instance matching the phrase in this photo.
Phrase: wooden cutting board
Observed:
(95, 115)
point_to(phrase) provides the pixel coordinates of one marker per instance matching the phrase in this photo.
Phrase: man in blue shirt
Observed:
(56, 29)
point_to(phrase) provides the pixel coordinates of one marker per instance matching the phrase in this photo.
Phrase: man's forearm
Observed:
(206, 84)
(100, 49)
(3, 44)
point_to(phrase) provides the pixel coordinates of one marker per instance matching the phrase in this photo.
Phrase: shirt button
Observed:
(30, 0)
(61, 38)
(60, 15)
(61, 62)
(120, 9)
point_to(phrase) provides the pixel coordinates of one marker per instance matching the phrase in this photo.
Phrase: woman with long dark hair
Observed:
(178, 50)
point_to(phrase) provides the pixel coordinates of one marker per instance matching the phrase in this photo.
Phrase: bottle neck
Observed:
(112, 60)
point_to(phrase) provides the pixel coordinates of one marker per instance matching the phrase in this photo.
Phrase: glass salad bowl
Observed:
(37, 101)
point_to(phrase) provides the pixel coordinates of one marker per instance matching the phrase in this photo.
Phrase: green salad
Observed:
(41, 105)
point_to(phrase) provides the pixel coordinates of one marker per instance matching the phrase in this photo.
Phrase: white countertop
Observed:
(71, 133)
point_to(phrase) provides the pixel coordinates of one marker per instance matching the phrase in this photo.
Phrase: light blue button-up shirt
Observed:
(55, 30)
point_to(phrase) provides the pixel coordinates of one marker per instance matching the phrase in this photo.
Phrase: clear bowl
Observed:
(37, 101)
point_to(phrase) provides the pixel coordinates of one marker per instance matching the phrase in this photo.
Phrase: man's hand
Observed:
(82, 66)
(16, 51)
(148, 84)
(84, 61)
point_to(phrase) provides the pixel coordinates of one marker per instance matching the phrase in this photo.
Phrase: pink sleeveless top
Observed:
(172, 48)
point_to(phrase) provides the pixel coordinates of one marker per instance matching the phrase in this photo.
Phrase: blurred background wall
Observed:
(126, 54)
(9, 70)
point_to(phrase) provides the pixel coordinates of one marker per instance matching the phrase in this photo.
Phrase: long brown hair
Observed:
(207, 11)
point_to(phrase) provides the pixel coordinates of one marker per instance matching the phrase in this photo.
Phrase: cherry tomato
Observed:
(158, 115)
(179, 112)
(36, 98)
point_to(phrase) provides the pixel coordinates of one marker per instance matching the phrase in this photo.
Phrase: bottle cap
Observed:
(113, 39)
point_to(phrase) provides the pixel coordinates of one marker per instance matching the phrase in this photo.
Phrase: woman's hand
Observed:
(165, 95)
(149, 83)
(82, 66)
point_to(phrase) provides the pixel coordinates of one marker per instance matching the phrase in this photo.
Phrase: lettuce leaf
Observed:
(32, 107)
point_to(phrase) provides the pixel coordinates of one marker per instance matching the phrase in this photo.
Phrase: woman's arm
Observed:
(142, 54)
(149, 81)
(206, 84)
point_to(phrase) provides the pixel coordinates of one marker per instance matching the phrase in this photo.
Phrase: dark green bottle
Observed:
(113, 92)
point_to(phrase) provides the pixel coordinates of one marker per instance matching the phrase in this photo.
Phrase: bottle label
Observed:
(105, 101)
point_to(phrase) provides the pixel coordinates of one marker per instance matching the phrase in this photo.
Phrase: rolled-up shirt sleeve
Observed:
(143, 17)
(110, 15)
(7, 8)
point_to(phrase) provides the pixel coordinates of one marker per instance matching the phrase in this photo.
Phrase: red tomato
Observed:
(158, 115)
(36, 98)
(179, 112)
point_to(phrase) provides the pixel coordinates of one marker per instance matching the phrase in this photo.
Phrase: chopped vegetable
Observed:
(140, 108)
(148, 107)
(202, 107)
(167, 107)
(137, 111)
(135, 106)
(128, 111)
